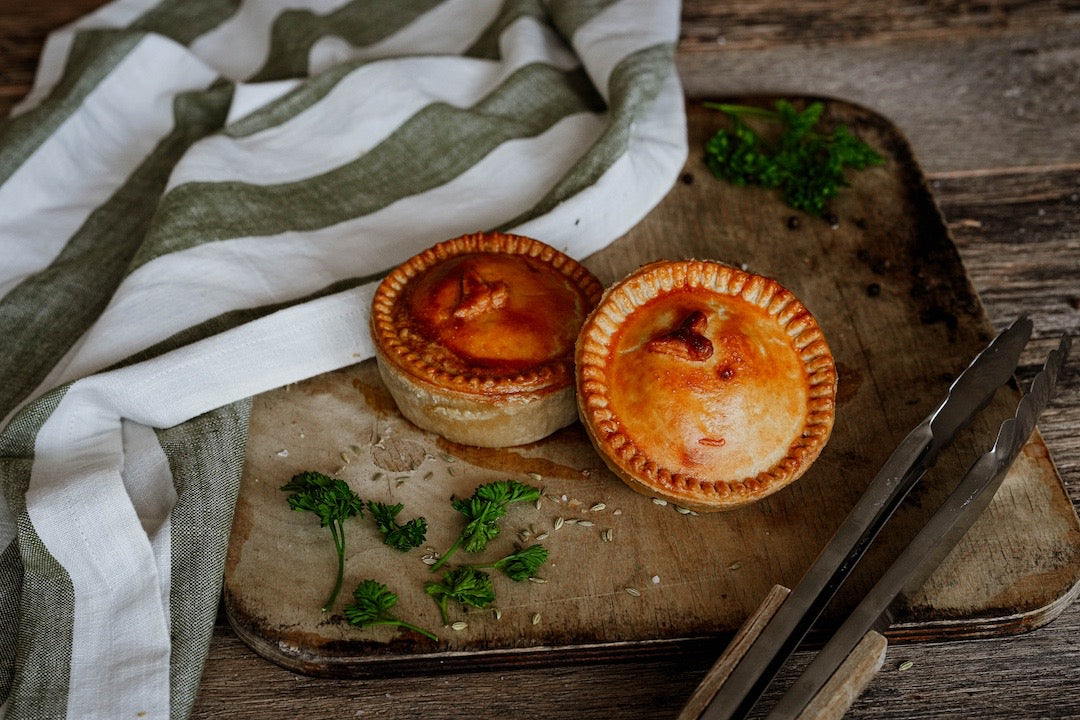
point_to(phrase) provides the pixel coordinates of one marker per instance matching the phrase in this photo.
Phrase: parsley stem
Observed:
(338, 531)
(743, 110)
(446, 555)
(408, 626)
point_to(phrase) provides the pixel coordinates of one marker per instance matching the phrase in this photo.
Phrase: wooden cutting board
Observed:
(886, 284)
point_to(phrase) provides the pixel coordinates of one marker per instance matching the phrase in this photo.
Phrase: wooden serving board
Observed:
(902, 319)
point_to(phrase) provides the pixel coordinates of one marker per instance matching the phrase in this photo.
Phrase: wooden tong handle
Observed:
(845, 685)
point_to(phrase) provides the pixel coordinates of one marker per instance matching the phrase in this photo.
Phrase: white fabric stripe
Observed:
(149, 483)
(91, 155)
(440, 31)
(83, 515)
(360, 112)
(80, 510)
(249, 97)
(619, 200)
(58, 44)
(620, 30)
(658, 149)
(186, 287)
(240, 46)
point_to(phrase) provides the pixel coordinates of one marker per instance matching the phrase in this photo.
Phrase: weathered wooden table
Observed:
(988, 95)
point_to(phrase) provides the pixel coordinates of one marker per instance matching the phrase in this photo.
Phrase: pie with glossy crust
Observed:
(705, 385)
(475, 337)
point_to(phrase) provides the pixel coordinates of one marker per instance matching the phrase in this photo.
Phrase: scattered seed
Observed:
(683, 510)
(536, 619)
(537, 580)
(459, 625)
(377, 477)
(659, 501)
(428, 475)
(585, 523)
(523, 535)
(283, 453)
(553, 498)
(558, 523)
(655, 579)
(536, 477)
(607, 535)
(906, 665)
(541, 537)
(571, 521)
(451, 472)
(496, 613)
(734, 566)
(446, 457)
(598, 507)
(632, 591)
(537, 503)
(617, 512)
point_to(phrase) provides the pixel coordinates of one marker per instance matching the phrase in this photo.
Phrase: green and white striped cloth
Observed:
(196, 200)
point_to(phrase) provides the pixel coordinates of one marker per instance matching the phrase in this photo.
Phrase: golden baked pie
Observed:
(704, 385)
(475, 337)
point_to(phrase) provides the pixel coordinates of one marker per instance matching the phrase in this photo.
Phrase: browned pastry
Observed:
(705, 385)
(475, 336)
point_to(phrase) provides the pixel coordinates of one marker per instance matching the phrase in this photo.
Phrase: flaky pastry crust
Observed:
(704, 385)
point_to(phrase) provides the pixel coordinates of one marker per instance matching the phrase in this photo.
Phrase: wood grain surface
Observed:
(885, 283)
(987, 94)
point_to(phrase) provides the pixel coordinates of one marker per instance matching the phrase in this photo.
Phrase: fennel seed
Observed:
(536, 619)
(459, 625)
(632, 591)
(598, 507)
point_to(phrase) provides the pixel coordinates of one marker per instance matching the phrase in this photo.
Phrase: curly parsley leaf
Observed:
(465, 585)
(372, 602)
(806, 166)
(333, 501)
(400, 537)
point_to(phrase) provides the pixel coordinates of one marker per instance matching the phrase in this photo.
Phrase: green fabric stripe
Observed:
(634, 85)
(206, 456)
(93, 55)
(361, 22)
(427, 151)
(569, 15)
(38, 600)
(185, 20)
(11, 578)
(487, 45)
(42, 316)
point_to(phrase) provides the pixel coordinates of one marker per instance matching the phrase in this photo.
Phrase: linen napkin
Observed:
(196, 201)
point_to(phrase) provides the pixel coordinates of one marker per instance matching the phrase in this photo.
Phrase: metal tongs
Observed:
(856, 651)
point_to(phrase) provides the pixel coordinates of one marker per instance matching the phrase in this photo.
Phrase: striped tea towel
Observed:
(196, 200)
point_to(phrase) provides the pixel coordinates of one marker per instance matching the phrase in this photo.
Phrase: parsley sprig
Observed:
(805, 165)
(400, 537)
(466, 585)
(372, 604)
(333, 501)
(521, 564)
(483, 509)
